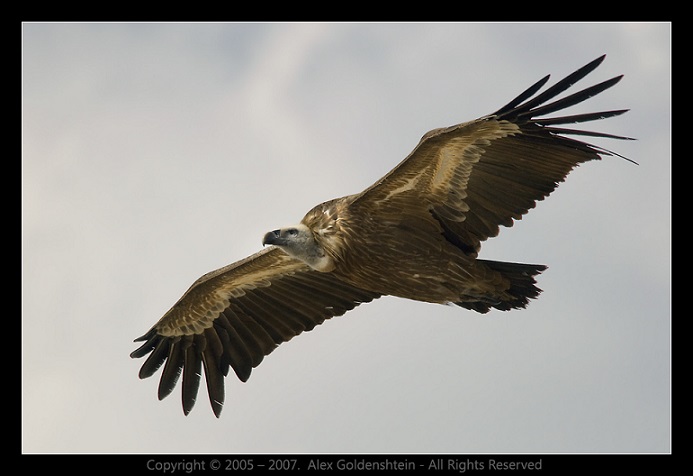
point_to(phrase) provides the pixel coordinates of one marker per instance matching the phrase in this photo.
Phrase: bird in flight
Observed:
(416, 233)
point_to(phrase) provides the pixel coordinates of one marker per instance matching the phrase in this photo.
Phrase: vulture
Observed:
(415, 233)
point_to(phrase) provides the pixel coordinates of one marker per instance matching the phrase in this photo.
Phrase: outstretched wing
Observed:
(475, 176)
(235, 316)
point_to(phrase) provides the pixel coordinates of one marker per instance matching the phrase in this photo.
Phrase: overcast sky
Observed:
(154, 153)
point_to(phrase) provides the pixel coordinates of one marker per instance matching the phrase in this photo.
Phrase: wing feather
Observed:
(193, 346)
(281, 325)
(479, 175)
(254, 336)
(551, 92)
(154, 361)
(213, 375)
(172, 368)
(236, 352)
(234, 317)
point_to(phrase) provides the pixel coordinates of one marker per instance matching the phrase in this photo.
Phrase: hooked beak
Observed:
(273, 238)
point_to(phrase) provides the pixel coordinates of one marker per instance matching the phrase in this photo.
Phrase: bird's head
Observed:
(299, 242)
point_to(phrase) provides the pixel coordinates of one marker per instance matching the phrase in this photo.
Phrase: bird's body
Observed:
(416, 234)
(436, 271)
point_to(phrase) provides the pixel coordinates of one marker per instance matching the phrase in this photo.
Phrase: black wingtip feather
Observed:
(577, 118)
(561, 86)
(512, 113)
(192, 371)
(215, 383)
(172, 370)
(155, 359)
(151, 332)
(527, 114)
(526, 94)
(150, 338)
(571, 100)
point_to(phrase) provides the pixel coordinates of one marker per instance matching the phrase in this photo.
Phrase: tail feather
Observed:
(522, 287)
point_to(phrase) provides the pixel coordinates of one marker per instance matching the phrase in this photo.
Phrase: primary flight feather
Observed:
(415, 233)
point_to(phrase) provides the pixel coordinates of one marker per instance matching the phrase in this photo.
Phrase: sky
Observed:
(154, 153)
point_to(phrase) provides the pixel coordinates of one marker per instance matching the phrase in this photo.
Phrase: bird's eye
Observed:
(292, 231)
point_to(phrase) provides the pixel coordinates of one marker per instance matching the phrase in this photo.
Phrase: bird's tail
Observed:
(522, 287)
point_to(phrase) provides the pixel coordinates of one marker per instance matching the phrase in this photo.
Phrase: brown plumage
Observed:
(416, 234)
